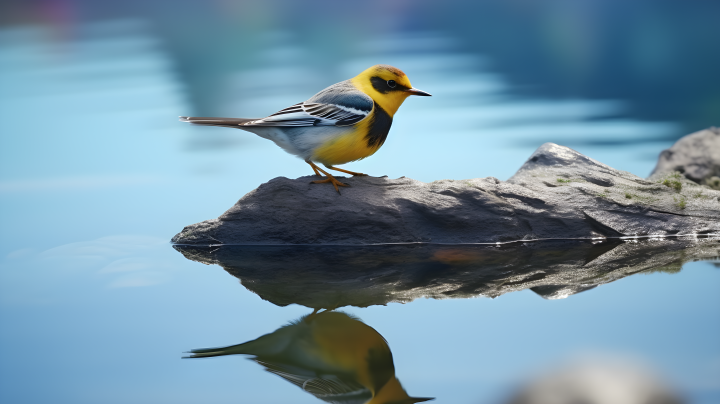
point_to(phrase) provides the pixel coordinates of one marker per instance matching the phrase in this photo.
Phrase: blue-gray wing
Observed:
(327, 387)
(338, 105)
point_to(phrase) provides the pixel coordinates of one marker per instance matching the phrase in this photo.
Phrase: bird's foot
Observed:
(329, 178)
(333, 181)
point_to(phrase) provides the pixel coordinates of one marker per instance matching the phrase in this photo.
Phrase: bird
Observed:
(330, 354)
(345, 122)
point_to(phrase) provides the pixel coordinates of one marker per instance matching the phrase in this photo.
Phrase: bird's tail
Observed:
(210, 352)
(268, 344)
(227, 122)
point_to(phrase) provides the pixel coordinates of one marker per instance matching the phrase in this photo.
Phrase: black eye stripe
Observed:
(383, 86)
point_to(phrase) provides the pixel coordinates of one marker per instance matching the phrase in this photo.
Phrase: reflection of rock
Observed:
(331, 355)
(696, 156)
(597, 382)
(557, 193)
(324, 276)
(552, 292)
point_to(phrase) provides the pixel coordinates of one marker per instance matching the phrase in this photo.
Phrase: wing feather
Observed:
(341, 104)
(327, 387)
(313, 114)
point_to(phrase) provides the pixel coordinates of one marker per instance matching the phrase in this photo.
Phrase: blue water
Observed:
(96, 175)
(108, 320)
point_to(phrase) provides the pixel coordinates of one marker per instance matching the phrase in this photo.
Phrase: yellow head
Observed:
(393, 393)
(387, 86)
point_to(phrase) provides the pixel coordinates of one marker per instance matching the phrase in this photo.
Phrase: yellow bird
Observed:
(332, 355)
(345, 122)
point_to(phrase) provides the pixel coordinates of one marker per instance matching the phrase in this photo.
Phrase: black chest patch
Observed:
(380, 367)
(379, 127)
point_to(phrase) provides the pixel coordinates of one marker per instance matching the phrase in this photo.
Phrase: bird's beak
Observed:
(415, 91)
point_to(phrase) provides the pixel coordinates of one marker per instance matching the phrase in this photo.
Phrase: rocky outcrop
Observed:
(695, 156)
(557, 194)
(394, 240)
(336, 276)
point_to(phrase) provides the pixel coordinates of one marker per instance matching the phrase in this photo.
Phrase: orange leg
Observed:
(315, 312)
(311, 315)
(329, 178)
(314, 169)
(354, 174)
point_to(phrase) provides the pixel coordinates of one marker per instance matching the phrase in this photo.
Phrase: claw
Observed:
(329, 178)
(333, 181)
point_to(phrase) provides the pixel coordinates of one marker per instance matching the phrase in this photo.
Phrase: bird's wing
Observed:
(313, 114)
(326, 387)
(341, 104)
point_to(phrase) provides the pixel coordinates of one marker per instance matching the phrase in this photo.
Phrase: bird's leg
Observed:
(311, 315)
(354, 174)
(329, 178)
(314, 169)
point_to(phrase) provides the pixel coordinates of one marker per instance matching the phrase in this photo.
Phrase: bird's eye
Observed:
(391, 83)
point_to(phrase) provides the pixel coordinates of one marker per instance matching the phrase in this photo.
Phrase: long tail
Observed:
(268, 344)
(227, 122)
(210, 352)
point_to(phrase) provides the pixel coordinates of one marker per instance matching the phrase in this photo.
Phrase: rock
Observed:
(336, 276)
(696, 156)
(598, 381)
(557, 194)
(291, 242)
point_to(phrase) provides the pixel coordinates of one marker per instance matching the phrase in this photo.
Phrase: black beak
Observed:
(415, 91)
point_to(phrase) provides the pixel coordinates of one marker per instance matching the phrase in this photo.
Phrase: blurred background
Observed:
(97, 174)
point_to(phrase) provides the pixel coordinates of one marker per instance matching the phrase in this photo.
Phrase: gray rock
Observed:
(296, 243)
(696, 156)
(336, 276)
(597, 381)
(557, 194)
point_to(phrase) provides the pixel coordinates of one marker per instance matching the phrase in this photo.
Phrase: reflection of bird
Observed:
(331, 355)
(345, 122)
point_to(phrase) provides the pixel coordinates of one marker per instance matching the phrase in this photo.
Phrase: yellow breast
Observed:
(349, 345)
(348, 147)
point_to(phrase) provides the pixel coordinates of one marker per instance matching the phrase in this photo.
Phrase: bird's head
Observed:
(393, 393)
(386, 85)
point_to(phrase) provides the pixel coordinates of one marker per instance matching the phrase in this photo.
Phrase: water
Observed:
(96, 176)
(108, 320)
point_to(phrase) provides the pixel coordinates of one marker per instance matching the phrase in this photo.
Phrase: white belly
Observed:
(277, 135)
(299, 141)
